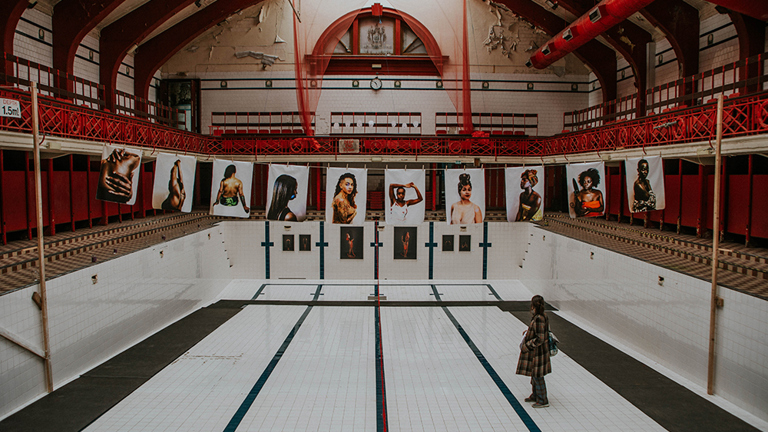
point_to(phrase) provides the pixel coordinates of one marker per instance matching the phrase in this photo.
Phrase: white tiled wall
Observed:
(32, 48)
(246, 254)
(84, 67)
(136, 295)
(621, 297)
(125, 80)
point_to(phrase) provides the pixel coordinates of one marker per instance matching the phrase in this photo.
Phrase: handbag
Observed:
(553, 350)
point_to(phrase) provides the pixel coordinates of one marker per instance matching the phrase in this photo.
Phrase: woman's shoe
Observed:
(530, 398)
(538, 405)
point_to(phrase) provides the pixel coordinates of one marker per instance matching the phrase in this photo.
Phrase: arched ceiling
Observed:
(122, 17)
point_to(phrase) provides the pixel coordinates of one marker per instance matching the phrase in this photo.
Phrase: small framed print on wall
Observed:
(288, 243)
(465, 243)
(447, 243)
(305, 242)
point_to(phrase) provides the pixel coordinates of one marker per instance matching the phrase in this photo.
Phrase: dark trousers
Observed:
(539, 390)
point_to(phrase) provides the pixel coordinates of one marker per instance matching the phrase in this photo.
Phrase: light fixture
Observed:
(415, 124)
(552, 4)
(198, 3)
(596, 14)
(439, 84)
(546, 50)
(529, 86)
(528, 63)
(570, 33)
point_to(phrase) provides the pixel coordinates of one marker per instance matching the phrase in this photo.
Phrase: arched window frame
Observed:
(398, 64)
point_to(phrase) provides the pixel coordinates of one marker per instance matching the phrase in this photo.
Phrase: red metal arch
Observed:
(158, 50)
(12, 11)
(433, 49)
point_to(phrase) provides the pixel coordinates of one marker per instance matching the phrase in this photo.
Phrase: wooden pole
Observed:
(715, 249)
(40, 245)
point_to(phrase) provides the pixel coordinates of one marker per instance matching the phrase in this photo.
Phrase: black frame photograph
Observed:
(465, 243)
(448, 243)
(351, 242)
(405, 243)
(288, 243)
(305, 242)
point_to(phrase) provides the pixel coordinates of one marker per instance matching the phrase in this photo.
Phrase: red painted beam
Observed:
(118, 38)
(599, 58)
(72, 21)
(155, 52)
(11, 10)
(627, 38)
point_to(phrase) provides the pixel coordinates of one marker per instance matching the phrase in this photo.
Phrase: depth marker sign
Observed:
(10, 108)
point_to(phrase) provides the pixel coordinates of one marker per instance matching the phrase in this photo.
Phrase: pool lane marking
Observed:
(524, 416)
(493, 291)
(258, 293)
(381, 390)
(236, 419)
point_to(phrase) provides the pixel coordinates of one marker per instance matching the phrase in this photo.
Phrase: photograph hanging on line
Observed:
(464, 196)
(174, 182)
(231, 188)
(525, 193)
(287, 187)
(346, 191)
(585, 189)
(404, 196)
(645, 184)
(119, 175)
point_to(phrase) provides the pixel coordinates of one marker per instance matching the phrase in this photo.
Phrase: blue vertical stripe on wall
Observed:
(267, 244)
(322, 244)
(485, 245)
(431, 245)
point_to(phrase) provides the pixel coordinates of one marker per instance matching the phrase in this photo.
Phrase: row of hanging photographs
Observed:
(404, 189)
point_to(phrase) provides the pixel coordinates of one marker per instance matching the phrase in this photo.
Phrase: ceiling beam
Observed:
(757, 9)
(12, 11)
(599, 58)
(680, 23)
(72, 21)
(157, 51)
(751, 34)
(119, 37)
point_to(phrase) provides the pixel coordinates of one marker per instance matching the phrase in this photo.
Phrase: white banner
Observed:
(404, 196)
(10, 108)
(645, 184)
(585, 189)
(464, 196)
(346, 190)
(174, 182)
(119, 175)
(528, 205)
(287, 187)
(231, 188)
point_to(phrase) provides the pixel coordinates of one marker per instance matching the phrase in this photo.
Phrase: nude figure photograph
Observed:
(405, 243)
(119, 175)
(464, 196)
(351, 242)
(231, 188)
(174, 182)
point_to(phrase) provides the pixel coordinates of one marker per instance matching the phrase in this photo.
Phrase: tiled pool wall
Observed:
(91, 320)
(666, 321)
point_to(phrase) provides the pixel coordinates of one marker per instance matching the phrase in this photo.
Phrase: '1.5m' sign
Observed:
(10, 108)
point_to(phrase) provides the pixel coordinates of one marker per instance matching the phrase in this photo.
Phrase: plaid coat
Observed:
(534, 355)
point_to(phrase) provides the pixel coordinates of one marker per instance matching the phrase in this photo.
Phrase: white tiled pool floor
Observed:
(279, 367)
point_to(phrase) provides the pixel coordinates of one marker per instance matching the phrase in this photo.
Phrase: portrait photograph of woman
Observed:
(645, 184)
(119, 175)
(174, 182)
(351, 242)
(464, 196)
(525, 193)
(345, 195)
(404, 196)
(405, 243)
(287, 193)
(585, 189)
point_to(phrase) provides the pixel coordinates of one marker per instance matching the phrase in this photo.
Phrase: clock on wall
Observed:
(376, 83)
